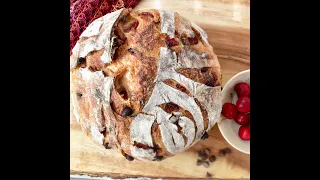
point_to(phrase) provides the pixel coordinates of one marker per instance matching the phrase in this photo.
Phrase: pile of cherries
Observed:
(240, 112)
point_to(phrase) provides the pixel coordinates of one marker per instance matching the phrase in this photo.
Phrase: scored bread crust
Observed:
(155, 63)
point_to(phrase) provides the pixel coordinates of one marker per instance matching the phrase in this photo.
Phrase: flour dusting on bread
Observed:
(97, 36)
(202, 32)
(159, 110)
(167, 22)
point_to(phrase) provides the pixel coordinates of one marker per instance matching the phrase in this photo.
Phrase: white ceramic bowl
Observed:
(229, 128)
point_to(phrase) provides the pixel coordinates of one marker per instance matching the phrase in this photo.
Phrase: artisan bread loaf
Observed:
(145, 82)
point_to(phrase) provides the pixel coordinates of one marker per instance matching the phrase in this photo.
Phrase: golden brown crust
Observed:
(123, 128)
(157, 141)
(178, 86)
(204, 113)
(134, 67)
(172, 107)
(205, 75)
(93, 60)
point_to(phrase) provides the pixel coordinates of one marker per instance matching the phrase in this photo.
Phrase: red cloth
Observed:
(83, 12)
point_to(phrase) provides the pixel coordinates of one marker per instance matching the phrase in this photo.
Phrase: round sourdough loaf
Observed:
(145, 82)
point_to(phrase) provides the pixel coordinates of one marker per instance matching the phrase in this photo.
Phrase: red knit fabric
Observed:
(83, 12)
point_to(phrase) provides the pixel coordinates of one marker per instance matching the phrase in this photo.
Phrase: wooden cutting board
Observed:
(227, 23)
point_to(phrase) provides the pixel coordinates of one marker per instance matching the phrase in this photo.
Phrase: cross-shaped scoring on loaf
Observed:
(140, 130)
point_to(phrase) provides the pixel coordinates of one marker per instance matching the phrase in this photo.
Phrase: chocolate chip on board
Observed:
(204, 157)
(222, 152)
(212, 158)
(199, 162)
(227, 150)
(206, 151)
(208, 175)
(200, 153)
(205, 164)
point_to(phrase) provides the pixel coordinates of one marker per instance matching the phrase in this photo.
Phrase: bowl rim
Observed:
(230, 80)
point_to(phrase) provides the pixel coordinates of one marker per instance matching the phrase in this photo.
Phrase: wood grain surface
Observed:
(227, 23)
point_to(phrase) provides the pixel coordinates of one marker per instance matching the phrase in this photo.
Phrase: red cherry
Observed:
(229, 110)
(242, 89)
(171, 41)
(243, 104)
(242, 119)
(244, 132)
